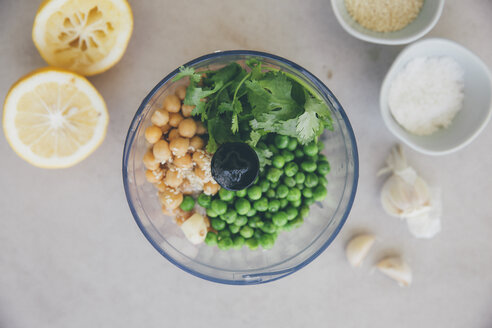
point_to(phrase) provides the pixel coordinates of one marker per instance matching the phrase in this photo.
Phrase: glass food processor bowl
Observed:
(293, 250)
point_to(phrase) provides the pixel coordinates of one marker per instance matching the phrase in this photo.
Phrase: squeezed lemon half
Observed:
(84, 36)
(54, 118)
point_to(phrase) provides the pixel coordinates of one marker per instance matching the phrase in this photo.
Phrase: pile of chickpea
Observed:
(176, 163)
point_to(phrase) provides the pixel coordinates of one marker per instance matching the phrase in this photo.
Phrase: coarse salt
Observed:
(427, 94)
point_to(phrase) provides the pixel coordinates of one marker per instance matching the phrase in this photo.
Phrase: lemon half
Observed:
(84, 36)
(54, 118)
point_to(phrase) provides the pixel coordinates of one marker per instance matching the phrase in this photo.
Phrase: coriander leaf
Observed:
(263, 156)
(194, 96)
(187, 71)
(308, 127)
(255, 65)
(234, 124)
(287, 128)
(254, 137)
(315, 105)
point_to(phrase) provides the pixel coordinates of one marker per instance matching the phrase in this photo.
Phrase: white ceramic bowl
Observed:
(477, 106)
(425, 21)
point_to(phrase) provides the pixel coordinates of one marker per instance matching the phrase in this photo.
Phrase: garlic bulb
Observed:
(357, 249)
(406, 195)
(397, 269)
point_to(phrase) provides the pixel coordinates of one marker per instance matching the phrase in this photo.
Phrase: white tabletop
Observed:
(71, 254)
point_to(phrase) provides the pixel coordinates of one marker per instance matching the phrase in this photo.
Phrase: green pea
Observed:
(225, 243)
(311, 180)
(270, 194)
(241, 193)
(284, 202)
(308, 166)
(267, 241)
(254, 192)
(291, 169)
(278, 161)
(229, 216)
(224, 234)
(298, 153)
(211, 213)
(234, 228)
(274, 205)
(300, 177)
(268, 227)
(297, 222)
(268, 215)
(264, 185)
(204, 200)
(294, 194)
(304, 211)
(187, 204)
(238, 242)
(242, 206)
(241, 220)
(320, 145)
(297, 202)
(251, 212)
(281, 141)
(258, 233)
(219, 206)
(255, 222)
(217, 224)
(292, 145)
(211, 238)
(226, 195)
(322, 181)
(287, 155)
(291, 213)
(319, 193)
(310, 149)
(261, 205)
(290, 182)
(274, 174)
(246, 232)
(309, 201)
(252, 243)
(282, 191)
(279, 219)
(324, 168)
(307, 192)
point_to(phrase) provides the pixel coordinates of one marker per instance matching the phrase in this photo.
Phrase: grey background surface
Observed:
(71, 254)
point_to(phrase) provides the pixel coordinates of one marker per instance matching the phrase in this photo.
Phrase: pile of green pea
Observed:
(278, 200)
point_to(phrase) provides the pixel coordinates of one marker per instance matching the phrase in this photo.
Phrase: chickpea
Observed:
(161, 151)
(175, 119)
(171, 198)
(160, 117)
(201, 159)
(179, 146)
(153, 176)
(187, 128)
(187, 187)
(173, 134)
(211, 188)
(200, 128)
(183, 161)
(172, 104)
(153, 134)
(173, 179)
(201, 174)
(149, 160)
(165, 128)
(181, 92)
(187, 110)
(181, 216)
(197, 143)
(160, 186)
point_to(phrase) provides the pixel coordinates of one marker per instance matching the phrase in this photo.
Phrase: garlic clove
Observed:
(358, 247)
(397, 269)
(195, 229)
(424, 225)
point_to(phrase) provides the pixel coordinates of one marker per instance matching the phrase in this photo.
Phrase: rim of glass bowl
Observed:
(321, 88)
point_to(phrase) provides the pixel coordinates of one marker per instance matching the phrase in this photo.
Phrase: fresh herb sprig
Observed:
(243, 105)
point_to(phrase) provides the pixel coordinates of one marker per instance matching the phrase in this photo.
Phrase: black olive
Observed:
(235, 166)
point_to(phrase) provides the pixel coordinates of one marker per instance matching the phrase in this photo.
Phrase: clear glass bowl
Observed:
(293, 250)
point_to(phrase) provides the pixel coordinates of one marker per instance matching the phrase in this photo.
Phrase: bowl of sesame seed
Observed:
(387, 22)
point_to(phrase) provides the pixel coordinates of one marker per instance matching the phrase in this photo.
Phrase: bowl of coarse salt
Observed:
(437, 96)
(387, 22)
